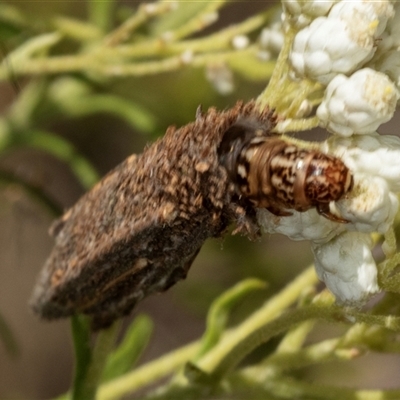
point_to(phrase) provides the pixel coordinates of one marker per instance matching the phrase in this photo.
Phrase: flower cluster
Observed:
(353, 50)
(271, 39)
(342, 41)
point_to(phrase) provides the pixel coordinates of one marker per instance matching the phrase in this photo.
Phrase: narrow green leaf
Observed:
(188, 18)
(251, 68)
(89, 362)
(219, 311)
(75, 98)
(78, 30)
(101, 13)
(134, 114)
(128, 352)
(35, 46)
(28, 101)
(62, 149)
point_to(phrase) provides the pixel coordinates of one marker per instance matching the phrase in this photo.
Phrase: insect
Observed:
(139, 229)
(274, 174)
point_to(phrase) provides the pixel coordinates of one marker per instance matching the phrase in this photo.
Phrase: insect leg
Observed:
(324, 210)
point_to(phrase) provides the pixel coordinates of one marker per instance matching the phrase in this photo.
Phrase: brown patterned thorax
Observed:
(274, 174)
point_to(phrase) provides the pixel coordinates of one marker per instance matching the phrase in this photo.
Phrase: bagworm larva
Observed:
(139, 229)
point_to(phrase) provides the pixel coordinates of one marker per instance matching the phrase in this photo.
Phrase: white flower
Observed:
(371, 207)
(358, 104)
(187, 57)
(372, 155)
(307, 225)
(390, 38)
(209, 18)
(342, 251)
(300, 13)
(240, 42)
(374, 161)
(347, 267)
(353, 48)
(389, 63)
(375, 13)
(340, 42)
(221, 77)
(271, 38)
(330, 46)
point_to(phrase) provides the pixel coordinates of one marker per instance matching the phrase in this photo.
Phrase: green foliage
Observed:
(219, 312)
(126, 355)
(214, 373)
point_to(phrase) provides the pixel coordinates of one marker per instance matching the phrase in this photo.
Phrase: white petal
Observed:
(347, 267)
(272, 38)
(316, 56)
(390, 38)
(370, 207)
(375, 12)
(300, 13)
(358, 104)
(307, 225)
(373, 155)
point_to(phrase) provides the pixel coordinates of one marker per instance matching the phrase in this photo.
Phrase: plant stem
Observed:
(258, 319)
(289, 388)
(148, 373)
(89, 363)
(35, 191)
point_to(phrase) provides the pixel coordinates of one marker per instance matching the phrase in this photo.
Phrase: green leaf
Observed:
(128, 352)
(33, 47)
(101, 13)
(75, 98)
(78, 30)
(89, 361)
(66, 152)
(219, 311)
(52, 144)
(189, 17)
(25, 107)
(251, 68)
